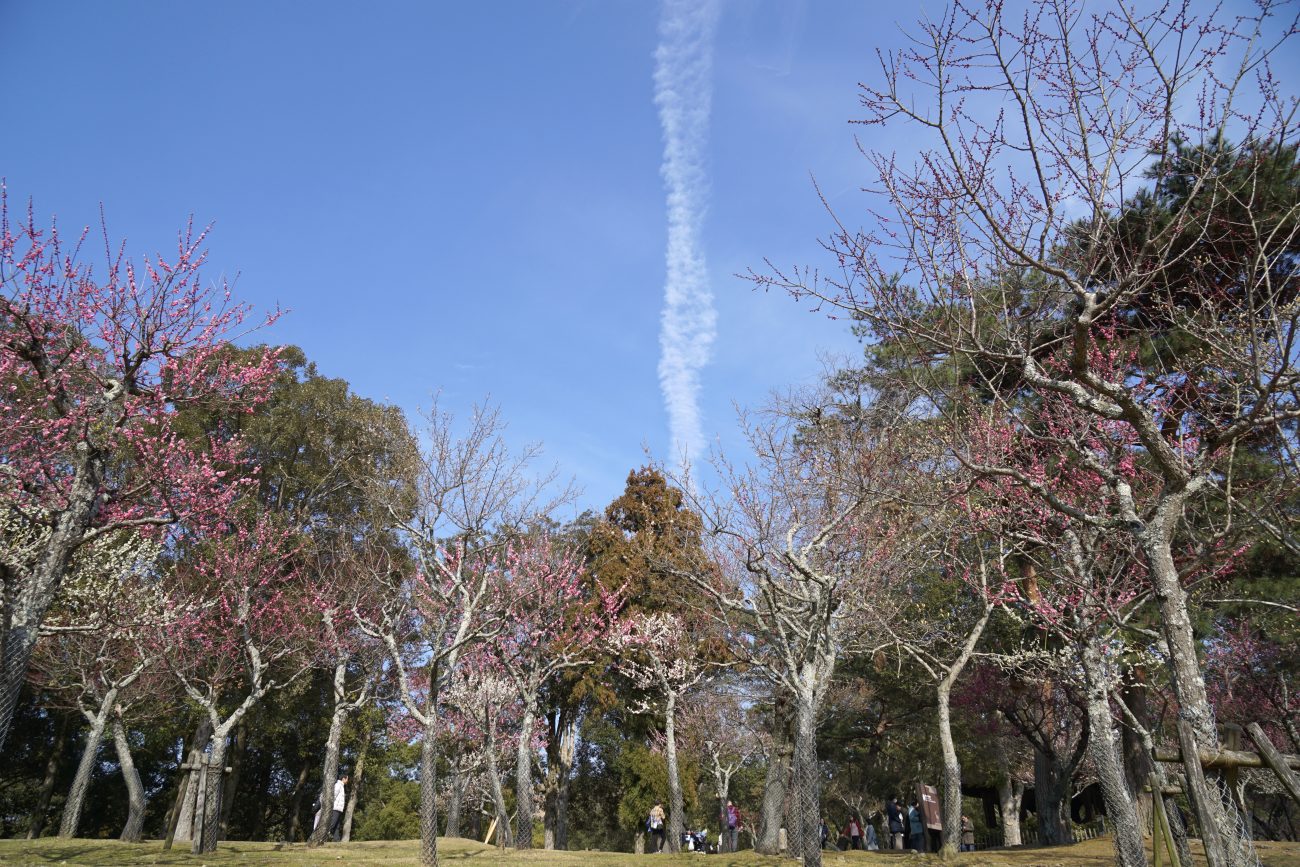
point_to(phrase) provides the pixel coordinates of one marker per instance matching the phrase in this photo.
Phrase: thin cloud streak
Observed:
(683, 91)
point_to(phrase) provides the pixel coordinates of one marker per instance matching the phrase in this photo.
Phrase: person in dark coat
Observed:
(897, 821)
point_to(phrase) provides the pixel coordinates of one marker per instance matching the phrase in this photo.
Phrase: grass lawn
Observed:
(405, 853)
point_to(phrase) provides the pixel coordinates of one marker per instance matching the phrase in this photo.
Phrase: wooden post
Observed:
(1275, 760)
(198, 825)
(1232, 774)
(1162, 836)
(1199, 792)
(1220, 759)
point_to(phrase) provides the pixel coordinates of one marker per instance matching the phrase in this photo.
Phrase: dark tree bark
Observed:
(357, 775)
(295, 804)
(41, 812)
(1051, 798)
(1138, 761)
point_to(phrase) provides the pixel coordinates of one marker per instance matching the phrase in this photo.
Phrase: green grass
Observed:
(405, 853)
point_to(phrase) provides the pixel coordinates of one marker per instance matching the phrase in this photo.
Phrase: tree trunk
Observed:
(1137, 759)
(524, 780)
(494, 782)
(676, 805)
(722, 791)
(1010, 793)
(774, 791)
(1120, 808)
(209, 817)
(47, 783)
(454, 796)
(330, 772)
(429, 789)
(81, 781)
(133, 830)
(559, 766)
(1051, 799)
(804, 837)
(21, 625)
(294, 826)
(357, 773)
(951, 772)
(240, 747)
(1225, 845)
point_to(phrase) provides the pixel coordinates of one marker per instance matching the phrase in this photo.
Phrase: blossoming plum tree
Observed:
(93, 367)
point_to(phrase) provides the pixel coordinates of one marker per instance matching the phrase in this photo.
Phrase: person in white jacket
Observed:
(340, 804)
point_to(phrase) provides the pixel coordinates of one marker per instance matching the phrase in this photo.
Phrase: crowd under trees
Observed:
(1051, 514)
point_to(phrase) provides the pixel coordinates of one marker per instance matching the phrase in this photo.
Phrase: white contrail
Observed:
(683, 86)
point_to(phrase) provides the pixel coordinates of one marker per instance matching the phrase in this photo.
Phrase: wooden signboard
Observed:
(928, 796)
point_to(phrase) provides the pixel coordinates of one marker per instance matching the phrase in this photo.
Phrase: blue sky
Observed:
(457, 197)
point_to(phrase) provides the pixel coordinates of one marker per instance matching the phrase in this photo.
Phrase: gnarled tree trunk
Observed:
(774, 792)
(558, 770)
(1010, 793)
(133, 830)
(1137, 760)
(81, 780)
(1051, 799)
(20, 624)
(1120, 808)
(1225, 844)
(330, 771)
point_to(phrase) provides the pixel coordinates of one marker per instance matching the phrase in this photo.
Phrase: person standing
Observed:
(855, 833)
(730, 839)
(656, 825)
(967, 834)
(917, 827)
(873, 845)
(340, 804)
(894, 814)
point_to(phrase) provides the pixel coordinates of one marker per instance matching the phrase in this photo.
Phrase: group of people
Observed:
(698, 841)
(854, 835)
(907, 830)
